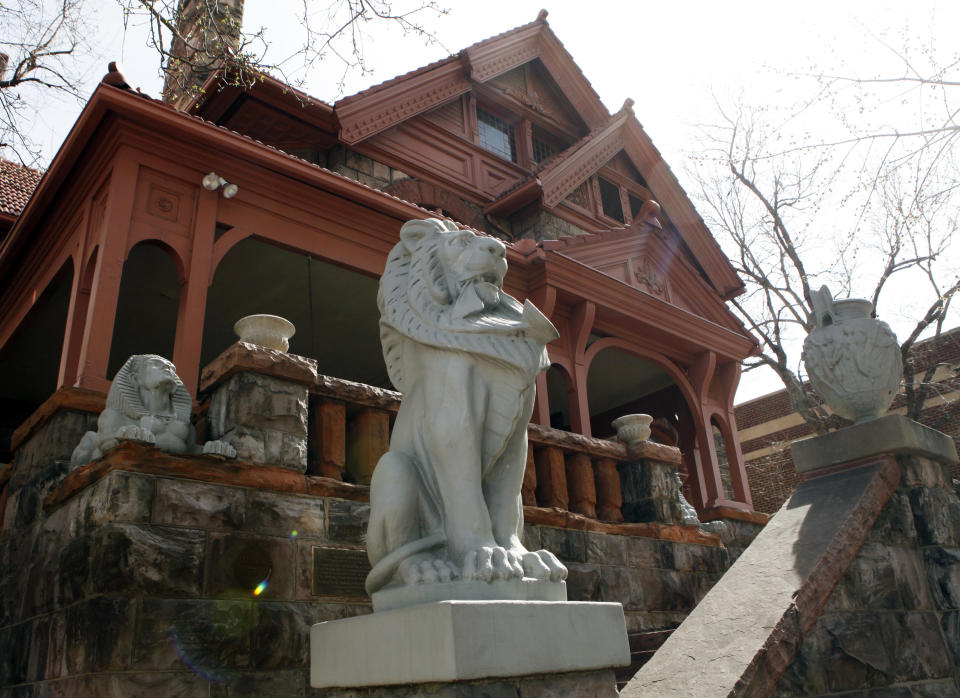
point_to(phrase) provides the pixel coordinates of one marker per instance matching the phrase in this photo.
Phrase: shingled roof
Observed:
(16, 186)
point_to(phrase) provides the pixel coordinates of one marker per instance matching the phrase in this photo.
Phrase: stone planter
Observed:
(632, 428)
(270, 331)
(852, 359)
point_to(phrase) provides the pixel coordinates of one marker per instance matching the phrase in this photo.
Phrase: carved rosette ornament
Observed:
(852, 358)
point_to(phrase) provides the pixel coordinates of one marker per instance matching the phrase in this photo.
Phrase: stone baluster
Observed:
(609, 496)
(580, 484)
(328, 433)
(368, 438)
(528, 491)
(551, 477)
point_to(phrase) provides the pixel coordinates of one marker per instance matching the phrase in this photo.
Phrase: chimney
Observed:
(211, 35)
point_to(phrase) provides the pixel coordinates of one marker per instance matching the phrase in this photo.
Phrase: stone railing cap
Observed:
(241, 356)
(892, 434)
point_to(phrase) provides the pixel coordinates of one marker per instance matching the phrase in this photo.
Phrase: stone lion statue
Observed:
(147, 402)
(445, 500)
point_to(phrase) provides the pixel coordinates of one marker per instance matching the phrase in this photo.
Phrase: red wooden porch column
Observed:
(193, 296)
(710, 468)
(102, 308)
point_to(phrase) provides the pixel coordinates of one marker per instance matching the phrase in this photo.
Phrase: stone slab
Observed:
(526, 589)
(461, 640)
(746, 631)
(890, 434)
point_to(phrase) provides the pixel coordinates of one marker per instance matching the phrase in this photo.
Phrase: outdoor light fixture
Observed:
(213, 181)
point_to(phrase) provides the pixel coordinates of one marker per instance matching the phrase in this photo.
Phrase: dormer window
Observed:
(496, 135)
(543, 149)
(610, 199)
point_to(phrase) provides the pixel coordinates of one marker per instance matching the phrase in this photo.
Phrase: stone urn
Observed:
(632, 428)
(270, 331)
(852, 358)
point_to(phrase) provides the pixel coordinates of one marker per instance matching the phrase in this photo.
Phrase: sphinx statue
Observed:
(147, 402)
(445, 499)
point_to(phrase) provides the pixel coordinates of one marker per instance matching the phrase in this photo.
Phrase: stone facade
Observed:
(363, 169)
(892, 624)
(769, 424)
(151, 573)
(543, 225)
(139, 574)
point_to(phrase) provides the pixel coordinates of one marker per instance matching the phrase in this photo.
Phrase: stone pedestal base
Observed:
(525, 589)
(459, 640)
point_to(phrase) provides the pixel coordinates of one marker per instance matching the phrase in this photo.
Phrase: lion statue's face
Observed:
(472, 263)
(443, 287)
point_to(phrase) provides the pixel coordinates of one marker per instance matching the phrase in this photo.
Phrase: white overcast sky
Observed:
(671, 58)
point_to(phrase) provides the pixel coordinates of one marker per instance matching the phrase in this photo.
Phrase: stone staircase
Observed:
(642, 647)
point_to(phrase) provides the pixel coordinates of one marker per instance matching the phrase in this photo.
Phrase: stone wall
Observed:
(892, 624)
(363, 169)
(542, 225)
(152, 574)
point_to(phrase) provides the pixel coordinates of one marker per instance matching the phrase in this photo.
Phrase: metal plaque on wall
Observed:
(339, 572)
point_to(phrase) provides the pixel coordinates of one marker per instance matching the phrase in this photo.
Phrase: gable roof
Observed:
(622, 132)
(371, 111)
(360, 117)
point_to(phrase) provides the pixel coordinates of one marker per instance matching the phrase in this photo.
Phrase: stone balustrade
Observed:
(348, 429)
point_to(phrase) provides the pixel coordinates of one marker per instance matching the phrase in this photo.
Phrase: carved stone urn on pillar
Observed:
(270, 331)
(852, 358)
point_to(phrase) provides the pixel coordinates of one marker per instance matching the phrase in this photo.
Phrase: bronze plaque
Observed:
(339, 572)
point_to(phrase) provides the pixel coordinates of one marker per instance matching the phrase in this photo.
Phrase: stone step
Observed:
(642, 648)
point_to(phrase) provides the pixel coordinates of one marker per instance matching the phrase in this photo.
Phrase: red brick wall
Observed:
(771, 474)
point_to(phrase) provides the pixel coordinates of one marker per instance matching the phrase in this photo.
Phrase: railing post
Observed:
(368, 438)
(528, 491)
(609, 496)
(551, 477)
(328, 434)
(583, 492)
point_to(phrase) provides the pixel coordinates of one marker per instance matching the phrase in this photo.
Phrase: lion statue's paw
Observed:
(542, 564)
(219, 448)
(492, 562)
(425, 569)
(134, 433)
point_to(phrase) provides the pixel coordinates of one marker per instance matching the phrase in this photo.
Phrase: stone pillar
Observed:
(259, 403)
(648, 483)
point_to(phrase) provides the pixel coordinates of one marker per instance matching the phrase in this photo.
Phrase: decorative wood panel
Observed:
(165, 202)
(450, 117)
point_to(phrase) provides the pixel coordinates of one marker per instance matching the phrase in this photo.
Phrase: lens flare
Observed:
(260, 588)
(293, 534)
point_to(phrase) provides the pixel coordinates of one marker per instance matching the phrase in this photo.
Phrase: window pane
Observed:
(542, 150)
(496, 135)
(610, 199)
(635, 205)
